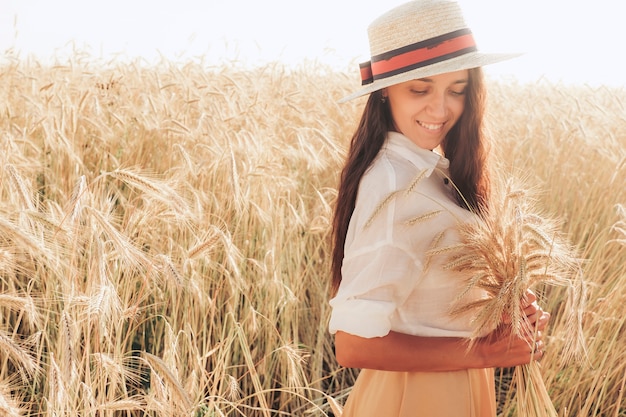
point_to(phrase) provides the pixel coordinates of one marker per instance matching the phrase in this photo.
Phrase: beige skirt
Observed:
(466, 393)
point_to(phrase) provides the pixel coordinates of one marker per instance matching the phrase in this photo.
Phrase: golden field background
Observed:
(164, 235)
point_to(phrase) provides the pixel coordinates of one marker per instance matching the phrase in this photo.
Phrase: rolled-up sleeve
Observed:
(379, 268)
(375, 283)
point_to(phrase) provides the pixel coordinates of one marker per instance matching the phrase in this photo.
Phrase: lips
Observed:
(431, 126)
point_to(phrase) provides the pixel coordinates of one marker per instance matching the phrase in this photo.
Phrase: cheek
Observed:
(458, 110)
(399, 115)
(412, 109)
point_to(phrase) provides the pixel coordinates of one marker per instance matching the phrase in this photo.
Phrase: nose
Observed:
(437, 106)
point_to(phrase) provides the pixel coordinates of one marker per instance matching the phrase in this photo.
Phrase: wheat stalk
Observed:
(379, 208)
(9, 405)
(22, 189)
(424, 217)
(620, 225)
(20, 356)
(422, 174)
(126, 405)
(504, 253)
(25, 305)
(159, 190)
(76, 201)
(165, 373)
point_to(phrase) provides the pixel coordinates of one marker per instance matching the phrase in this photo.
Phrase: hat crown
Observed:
(420, 39)
(414, 22)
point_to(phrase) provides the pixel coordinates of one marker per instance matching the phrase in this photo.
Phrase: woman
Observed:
(417, 168)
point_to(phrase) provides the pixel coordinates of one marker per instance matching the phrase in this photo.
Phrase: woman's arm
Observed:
(402, 352)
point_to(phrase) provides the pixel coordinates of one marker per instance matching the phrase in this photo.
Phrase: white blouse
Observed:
(405, 206)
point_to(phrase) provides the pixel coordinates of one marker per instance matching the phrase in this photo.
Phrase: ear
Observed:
(383, 92)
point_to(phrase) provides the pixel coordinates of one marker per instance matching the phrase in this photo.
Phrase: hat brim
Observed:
(467, 61)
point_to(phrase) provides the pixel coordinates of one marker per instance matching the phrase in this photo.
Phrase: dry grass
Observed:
(165, 235)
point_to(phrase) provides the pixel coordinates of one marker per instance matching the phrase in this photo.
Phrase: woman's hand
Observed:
(503, 348)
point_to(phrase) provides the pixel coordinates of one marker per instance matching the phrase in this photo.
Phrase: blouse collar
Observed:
(420, 157)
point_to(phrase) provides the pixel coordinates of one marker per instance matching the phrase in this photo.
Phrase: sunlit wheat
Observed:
(165, 235)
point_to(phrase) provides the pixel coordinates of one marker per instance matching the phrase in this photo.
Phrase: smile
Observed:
(429, 126)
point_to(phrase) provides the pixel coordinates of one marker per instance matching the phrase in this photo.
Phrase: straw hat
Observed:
(420, 39)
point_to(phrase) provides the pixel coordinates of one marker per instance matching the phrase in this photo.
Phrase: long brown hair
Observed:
(464, 146)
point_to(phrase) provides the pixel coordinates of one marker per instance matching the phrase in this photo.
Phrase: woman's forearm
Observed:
(408, 353)
(402, 352)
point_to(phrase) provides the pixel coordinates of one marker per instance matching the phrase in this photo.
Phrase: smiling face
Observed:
(424, 110)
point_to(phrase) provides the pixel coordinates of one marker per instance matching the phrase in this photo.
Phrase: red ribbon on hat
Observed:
(417, 55)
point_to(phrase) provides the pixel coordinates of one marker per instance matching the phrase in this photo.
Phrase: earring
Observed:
(383, 99)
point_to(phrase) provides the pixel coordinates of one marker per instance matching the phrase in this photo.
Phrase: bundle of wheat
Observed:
(509, 250)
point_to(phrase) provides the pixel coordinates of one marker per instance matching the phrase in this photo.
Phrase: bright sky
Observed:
(567, 40)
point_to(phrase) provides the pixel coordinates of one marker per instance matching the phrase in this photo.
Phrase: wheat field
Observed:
(165, 235)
